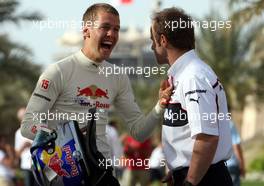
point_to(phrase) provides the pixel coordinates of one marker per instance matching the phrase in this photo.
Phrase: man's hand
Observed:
(44, 127)
(165, 93)
(168, 179)
(242, 172)
(239, 155)
(203, 153)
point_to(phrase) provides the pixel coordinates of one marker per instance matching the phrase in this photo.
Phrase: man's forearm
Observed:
(202, 157)
(239, 154)
(142, 126)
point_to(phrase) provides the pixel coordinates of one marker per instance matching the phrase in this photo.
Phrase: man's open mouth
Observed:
(107, 45)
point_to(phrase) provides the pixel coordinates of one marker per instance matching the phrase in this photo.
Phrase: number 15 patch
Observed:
(45, 83)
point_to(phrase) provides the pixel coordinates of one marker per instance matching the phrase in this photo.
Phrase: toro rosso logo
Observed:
(54, 161)
(92, 91)
(84, 96)
(56, 164)
(66, 168)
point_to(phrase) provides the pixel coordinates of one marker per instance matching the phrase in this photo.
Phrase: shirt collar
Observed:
(85, 61)
(181, 63)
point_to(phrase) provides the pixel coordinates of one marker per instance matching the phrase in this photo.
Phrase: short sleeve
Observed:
(201, 104)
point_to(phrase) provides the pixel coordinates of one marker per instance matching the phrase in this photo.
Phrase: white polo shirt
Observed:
(198, 105)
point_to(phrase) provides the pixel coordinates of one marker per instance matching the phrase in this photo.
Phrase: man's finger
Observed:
(167, 92)
(164, 84)
(169, 88)
(164, 102)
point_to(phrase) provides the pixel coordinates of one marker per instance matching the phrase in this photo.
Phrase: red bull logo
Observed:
(85, 92)
(93, 91)
(54, 161)
(100, 93)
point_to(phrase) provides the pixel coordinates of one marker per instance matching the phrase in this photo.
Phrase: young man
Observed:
(68, 88)
(196, 143)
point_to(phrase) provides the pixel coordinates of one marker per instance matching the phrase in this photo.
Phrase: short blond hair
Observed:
(92, 12)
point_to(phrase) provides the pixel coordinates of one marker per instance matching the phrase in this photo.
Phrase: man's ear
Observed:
(86, 32)
(163, 41)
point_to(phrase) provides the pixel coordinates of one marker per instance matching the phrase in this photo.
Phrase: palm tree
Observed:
(8, 14)
(249, 13)
(228, 52)
(249, 9)
(17, 72)
(14, 55)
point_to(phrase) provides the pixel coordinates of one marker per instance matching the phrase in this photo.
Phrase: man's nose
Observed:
(112, 33)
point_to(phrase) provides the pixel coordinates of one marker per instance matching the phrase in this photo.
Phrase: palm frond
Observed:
(8, 13)
(250, 10)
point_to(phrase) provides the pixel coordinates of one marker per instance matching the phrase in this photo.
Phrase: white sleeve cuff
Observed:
(158, 109)
(196, 131)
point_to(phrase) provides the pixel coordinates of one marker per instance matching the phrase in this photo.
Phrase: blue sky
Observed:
(44, 43)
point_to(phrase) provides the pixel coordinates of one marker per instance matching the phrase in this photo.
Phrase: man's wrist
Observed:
(159, 110)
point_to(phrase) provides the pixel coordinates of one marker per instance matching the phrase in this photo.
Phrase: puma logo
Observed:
(195, 100)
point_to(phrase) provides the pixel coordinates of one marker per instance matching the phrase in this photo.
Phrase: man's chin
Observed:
(161, 60)
(105, 56)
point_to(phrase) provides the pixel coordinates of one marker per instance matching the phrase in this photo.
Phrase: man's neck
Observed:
(86, 52)
(174, 54)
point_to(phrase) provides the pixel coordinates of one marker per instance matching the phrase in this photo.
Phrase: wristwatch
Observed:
(186, 183)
